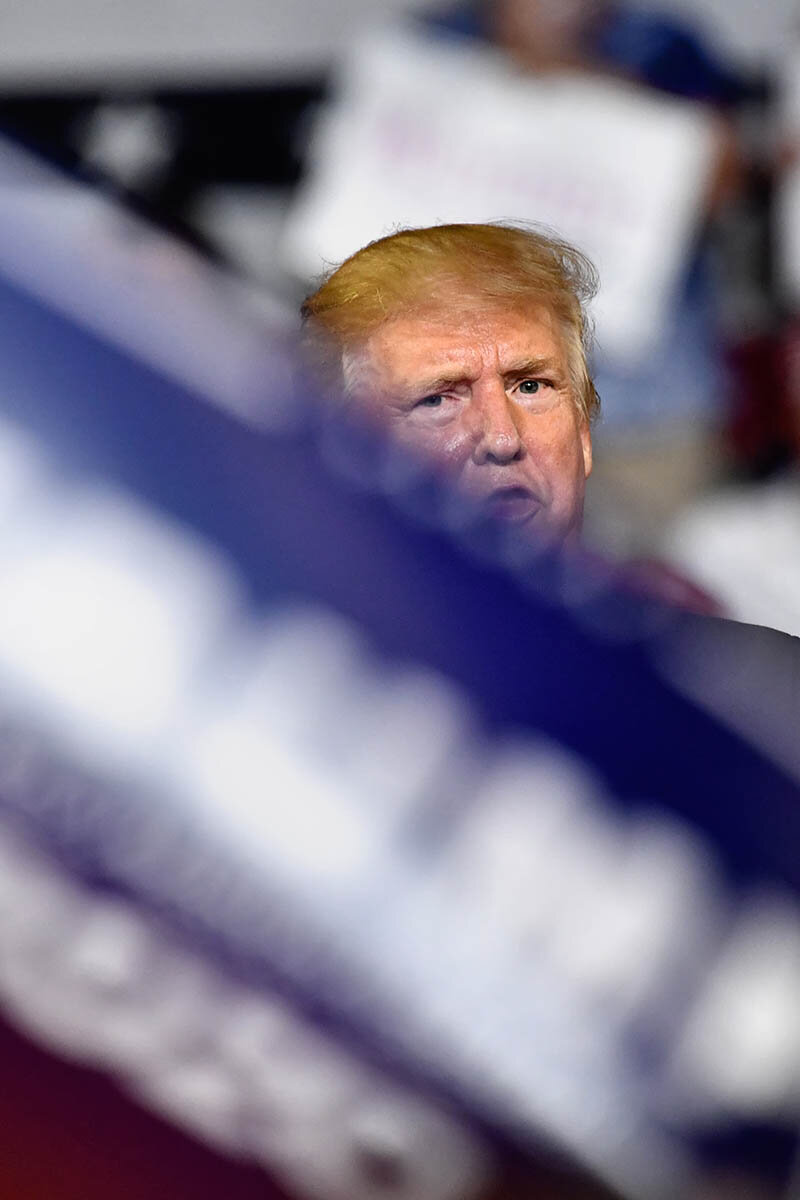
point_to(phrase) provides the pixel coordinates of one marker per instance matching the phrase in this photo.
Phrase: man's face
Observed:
(488, 396)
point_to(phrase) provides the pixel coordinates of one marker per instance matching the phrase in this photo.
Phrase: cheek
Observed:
(557, 447)
(551, 436)
(448, 445)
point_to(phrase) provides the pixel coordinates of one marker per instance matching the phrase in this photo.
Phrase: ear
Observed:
(586, 445)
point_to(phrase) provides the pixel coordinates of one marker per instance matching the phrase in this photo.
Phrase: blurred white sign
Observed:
(428, 131)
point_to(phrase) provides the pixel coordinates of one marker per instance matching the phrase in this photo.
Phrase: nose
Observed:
(497, 438)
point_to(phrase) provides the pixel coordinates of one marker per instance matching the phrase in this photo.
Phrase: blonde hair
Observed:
(509, 266)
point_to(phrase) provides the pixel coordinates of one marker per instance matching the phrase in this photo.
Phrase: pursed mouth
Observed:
(516, 504)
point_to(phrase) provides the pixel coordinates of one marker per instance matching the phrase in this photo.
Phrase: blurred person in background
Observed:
(601, 36)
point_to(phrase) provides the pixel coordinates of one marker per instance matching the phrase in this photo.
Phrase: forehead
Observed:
(470, 342)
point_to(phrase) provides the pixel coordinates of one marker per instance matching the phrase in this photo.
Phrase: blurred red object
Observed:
(789, 378)
(69, 1133)
(653, 579)
(764, 425)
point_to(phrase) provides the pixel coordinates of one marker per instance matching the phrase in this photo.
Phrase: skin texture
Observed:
(487, 395)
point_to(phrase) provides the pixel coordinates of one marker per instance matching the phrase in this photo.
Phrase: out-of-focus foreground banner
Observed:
(357, 837)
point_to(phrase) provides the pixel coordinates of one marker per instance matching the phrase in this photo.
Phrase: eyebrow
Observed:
(520, 369)
(430, 387)
(532, 366)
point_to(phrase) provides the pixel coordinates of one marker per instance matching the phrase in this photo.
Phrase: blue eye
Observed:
(430, 401)
(529, 387)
